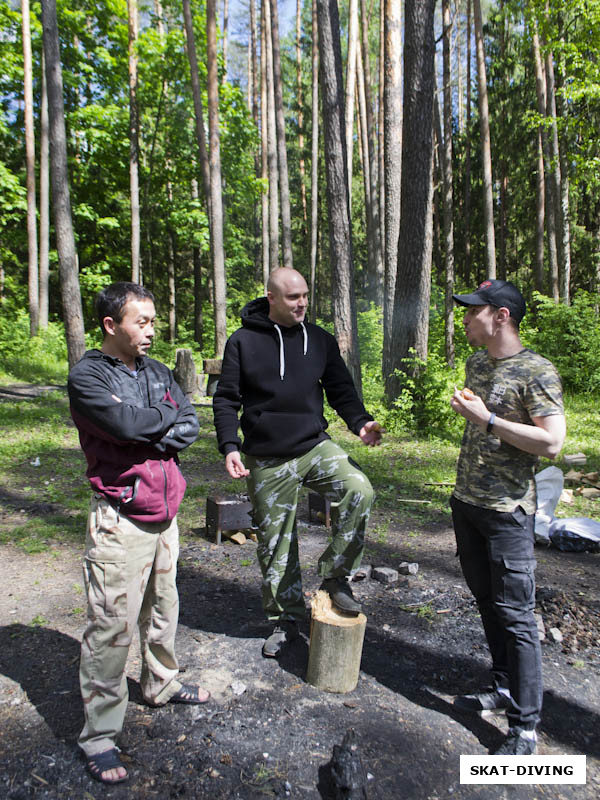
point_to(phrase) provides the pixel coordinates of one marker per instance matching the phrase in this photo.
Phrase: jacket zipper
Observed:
(166, 501)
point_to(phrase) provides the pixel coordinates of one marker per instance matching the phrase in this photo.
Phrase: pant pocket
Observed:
(518, 582)
(106, 587)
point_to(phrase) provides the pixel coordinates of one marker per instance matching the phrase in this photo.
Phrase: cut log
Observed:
(185, 372)
(336, 642)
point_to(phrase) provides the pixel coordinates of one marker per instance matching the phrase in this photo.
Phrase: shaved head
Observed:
(282, 277)
(287, 294)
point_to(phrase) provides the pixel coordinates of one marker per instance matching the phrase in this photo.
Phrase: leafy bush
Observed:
(570, 337)
(40, 359)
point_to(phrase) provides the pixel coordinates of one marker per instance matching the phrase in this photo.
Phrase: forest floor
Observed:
(266, 732)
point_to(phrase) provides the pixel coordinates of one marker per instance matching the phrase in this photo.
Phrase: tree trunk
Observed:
(264, 154)
(216, 201)
(198, 289)
(548, 181)
(225, 36)
(197, 96)
(314, 166)
(380, 142)
(392, 101)
(44, 200)
(459, 70)
(486, 151)
(32, 250)
(61, 200)
(340, 232)
(376, 269)
(271, 144)
(351, 87)
(565, 245)
(300, 101)
(284, 188)
(134, 146)
(467, 214)
(413, 283)
(555, 175)
(447, 188)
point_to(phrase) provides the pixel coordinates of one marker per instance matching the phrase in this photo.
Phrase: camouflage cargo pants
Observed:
(273, 486)
(129, 572)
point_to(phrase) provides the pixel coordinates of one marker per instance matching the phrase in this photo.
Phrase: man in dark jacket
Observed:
(276, 368)
(133, 419)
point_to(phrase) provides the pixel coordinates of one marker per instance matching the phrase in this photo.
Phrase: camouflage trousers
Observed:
(273, 486)
(129, 571)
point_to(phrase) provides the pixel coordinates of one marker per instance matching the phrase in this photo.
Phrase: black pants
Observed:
(496, 555)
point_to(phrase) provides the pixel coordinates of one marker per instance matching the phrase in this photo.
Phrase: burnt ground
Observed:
(266, 732)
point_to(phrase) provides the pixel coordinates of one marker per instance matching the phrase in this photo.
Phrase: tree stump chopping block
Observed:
(336, 642)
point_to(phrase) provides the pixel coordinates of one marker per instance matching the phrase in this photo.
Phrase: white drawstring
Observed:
(281, 353)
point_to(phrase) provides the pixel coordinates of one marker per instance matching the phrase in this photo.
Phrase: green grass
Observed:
(47, 504)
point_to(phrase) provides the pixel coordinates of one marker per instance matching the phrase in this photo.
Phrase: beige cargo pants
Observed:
(129, 571)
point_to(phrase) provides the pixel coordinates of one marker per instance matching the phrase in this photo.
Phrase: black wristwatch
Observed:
(491, 421)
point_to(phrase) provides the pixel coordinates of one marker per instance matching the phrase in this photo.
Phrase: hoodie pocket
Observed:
(276, 433)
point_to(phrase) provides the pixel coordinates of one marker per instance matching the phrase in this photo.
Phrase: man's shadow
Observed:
(45, 663)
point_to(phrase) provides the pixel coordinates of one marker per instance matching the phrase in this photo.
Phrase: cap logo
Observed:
(485, 285)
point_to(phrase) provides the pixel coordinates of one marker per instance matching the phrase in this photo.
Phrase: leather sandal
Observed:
(100, 763)
(190, 695)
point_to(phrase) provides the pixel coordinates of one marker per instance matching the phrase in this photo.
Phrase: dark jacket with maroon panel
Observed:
(277, 376)
(131, 427)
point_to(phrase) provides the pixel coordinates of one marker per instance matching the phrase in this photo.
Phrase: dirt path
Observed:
(266, 732)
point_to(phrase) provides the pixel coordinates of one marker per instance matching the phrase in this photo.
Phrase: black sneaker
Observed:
(341, 595)
(283, 633)
(517, 744)
(491, 701)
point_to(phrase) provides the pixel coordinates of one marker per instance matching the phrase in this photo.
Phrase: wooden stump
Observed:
(185, 372)
(336, 642)
(212, 367)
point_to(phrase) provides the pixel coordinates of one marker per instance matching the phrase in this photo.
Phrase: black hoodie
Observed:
(278, 375)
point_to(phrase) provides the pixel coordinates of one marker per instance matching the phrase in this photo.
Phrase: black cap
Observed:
(502, 294)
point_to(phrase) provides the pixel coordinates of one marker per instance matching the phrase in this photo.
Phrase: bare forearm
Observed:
(534, 439)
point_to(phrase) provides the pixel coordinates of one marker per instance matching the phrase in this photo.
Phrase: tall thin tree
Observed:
(314, 167)
(61, 198)
(486, 150)
(351, 86)
(340, 232)
(447, 187)
(284, 187)
(44, 200)
(32, 249)
(392, 101)
(197, 97)
(413, 281)
(216, 199)
(134, 141)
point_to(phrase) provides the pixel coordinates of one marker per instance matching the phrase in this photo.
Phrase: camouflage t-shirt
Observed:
(490, 472)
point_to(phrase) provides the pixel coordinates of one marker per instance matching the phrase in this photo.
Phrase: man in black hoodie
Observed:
(275, 368)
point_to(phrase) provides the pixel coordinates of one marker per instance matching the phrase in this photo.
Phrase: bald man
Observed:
(275, 369)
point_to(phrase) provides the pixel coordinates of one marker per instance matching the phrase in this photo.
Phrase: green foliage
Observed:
(570, 337)
(424, 401)
(40, 359)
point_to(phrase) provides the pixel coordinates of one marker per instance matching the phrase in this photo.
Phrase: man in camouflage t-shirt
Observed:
(513, 406)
